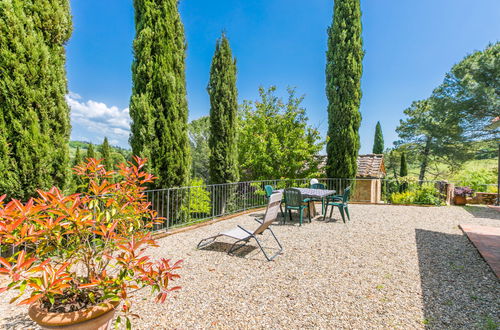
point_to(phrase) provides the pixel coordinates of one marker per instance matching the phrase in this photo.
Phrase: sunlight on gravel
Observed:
(390, 267)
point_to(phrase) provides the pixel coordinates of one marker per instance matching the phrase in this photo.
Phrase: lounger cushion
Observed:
(236, 233)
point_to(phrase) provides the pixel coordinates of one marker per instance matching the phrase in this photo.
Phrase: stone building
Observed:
(371, 171)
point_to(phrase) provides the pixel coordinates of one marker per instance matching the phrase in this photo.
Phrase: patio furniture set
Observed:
(298, 199)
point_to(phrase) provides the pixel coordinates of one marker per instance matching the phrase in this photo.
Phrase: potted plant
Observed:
(461, 194)
(79, 256)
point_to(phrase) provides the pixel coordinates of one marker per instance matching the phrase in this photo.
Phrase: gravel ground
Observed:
(391, 267)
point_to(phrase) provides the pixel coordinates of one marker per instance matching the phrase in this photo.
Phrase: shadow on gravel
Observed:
(482, 212)
(224, 247)
(19, 322)
(459, 290)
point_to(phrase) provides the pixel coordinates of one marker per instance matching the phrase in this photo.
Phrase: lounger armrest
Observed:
(249, 233)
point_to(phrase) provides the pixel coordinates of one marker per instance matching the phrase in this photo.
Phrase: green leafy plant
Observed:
(425, 194)
(85, 249)
(477, 179)
(199, 198)
(406, 197)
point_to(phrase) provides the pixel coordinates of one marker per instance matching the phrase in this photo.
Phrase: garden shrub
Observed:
(425, 194)
(406, 197)
(478, 179)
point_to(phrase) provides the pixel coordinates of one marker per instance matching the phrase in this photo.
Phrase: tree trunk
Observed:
(425, 159)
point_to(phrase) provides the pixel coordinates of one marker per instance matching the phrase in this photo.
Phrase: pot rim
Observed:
(43, 318)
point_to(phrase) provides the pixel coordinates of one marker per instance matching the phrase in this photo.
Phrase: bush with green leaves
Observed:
(477, 179)
(425, 194)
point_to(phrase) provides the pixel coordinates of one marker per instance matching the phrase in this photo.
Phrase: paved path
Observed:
(487, 241)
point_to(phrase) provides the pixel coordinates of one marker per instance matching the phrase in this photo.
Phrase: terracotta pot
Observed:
(460, 200)
(92, 318)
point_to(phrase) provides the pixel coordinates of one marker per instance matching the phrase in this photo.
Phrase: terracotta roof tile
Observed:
(371, 166)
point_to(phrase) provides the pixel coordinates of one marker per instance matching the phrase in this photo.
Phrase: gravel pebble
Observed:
(398, 267)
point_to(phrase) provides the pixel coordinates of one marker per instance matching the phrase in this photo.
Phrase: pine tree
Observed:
(404, 166)
(106, 154)
(223, 114)
(90, 151)
(378, 143)
(158, 106)
(33, 111)
(343, 89)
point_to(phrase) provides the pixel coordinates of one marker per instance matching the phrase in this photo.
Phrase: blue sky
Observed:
(409, 47)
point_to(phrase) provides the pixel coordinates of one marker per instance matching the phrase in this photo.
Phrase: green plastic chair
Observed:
(294, 201)
(322, 200)
(342, 202)
(269, 191)
(318, 186)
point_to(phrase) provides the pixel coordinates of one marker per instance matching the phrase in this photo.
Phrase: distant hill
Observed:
(120, 155)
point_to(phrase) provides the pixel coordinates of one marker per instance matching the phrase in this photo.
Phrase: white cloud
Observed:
(74, 96)
(97, 120)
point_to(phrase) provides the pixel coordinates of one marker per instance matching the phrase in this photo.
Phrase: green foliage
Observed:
(34, 115)
(378, 142)
(199, 199)
(431, 134)
(403, 171)
(78, 159)
(343, 89)
(106, 155)
(477, 179)
(425, 194)
(223, 115)
(470, 92)
(199, 132)
(77, 184)
(448, 129)
(90, 152)
(158, 106)
(275, 140)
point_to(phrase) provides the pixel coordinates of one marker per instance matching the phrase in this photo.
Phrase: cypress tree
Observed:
(378, 143)
(77, 181)
(106, 154)
(403, 172)
(343, 89)
(90, 152)
(404, 166)
(33, 111)
(223, 114)
(158, 106)
(78, 157)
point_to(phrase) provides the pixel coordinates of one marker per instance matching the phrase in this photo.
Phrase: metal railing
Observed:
(188, 205)
(185, 206)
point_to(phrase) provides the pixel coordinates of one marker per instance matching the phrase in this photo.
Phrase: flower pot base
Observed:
(92, 318)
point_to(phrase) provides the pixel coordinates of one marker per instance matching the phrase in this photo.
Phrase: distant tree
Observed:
(430, 133)
(275, 140)
(158, 106)
(78, 157)
(404, 166)
(76, 180)
(34, 117)
(343, 89)
(378, 143)
(471, 93)
(90, 151)
(199, 132)
(223, 114)
(106, 155)
(392, 162)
